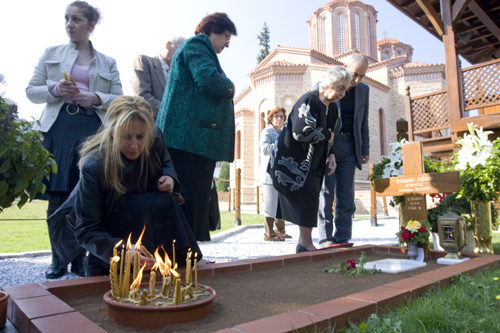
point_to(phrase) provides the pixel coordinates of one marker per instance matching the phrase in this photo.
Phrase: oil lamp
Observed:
(452, 235)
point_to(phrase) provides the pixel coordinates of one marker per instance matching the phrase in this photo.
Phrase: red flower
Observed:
(422, 228)
(350, 264)
(406, 236)
(402, 228)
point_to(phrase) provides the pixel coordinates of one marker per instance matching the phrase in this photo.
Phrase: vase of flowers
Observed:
(478, 161)
(414, 233)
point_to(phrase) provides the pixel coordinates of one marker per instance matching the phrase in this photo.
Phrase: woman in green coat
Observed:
(197, 116)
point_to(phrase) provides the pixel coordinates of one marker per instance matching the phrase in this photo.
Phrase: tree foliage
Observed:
(264, 38)
(223, 182)
(24, 162)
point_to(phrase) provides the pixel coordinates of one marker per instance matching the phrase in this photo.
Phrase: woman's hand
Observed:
(166, 184)
(148, 261)
(66, 88)
(332, 164)
(85, 99)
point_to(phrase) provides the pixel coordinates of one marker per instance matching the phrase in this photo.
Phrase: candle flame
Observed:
(138, 243)
(118, 244)
(167, 260)
(189, 255)
(160, 264)
(129, 244)
(115, 259)
(137, 281)
(196, 255)
(174, 272)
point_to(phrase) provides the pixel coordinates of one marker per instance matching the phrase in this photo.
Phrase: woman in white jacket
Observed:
(77, 84)
(274, 229)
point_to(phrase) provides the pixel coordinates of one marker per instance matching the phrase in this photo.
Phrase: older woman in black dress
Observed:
(297, 163)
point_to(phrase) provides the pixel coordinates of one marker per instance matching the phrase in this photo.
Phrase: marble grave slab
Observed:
(395, 266)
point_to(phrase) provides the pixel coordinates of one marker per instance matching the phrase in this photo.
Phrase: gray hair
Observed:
(177, 40)
(335, 75)
(355, 58)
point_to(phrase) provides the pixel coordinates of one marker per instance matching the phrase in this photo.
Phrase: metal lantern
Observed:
(452, 235)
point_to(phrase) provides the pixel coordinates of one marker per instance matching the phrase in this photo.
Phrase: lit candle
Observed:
(126, 278)
(137, 254)
(134, 288)
(188, 267)
(113, 276)
(173, 253)
(115, 251)
(152, 283)
(196, 272)
(120, 282)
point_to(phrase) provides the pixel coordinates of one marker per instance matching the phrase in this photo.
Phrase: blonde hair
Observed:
(107, 142)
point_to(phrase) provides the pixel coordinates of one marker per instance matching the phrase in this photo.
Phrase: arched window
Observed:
(262, 123)
(356, 31)
(237, 146)
(381, 124)
(369, 38)
(341, 34)
(324, 36)
(386, 55)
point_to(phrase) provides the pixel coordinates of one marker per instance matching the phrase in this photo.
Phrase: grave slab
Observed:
(395, 266)
(444, 261)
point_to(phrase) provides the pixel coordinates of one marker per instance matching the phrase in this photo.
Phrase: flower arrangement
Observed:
(478, 161)
(414, 232)
(349, 267)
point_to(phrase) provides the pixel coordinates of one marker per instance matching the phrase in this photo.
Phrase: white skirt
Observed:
(270, 200)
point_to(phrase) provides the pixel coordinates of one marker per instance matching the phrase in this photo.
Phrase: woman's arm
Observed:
(304, 124)
(39, 86)
(89, 228)
(203, 67)
(266, 142)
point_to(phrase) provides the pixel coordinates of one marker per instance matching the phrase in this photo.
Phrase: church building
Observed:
(337, 30)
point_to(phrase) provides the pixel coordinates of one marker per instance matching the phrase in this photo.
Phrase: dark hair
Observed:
(217, 23)
(272, 112)
(92, 14)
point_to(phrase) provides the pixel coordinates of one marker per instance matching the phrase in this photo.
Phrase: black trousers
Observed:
(195, 173)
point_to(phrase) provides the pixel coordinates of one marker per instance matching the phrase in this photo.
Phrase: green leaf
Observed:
(23, 200)
(53, 165)
(5, 166)
(3, 187)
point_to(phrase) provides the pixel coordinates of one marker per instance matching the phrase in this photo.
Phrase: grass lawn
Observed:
(470, 304)
(32, 235)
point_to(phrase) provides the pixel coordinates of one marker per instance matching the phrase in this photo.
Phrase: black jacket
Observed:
(302, 146)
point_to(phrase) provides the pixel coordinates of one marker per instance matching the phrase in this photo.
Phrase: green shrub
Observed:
(24, 162)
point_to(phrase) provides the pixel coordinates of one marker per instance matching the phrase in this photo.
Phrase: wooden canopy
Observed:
(476, 24)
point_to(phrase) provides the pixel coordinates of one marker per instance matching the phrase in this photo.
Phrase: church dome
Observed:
(341, 26)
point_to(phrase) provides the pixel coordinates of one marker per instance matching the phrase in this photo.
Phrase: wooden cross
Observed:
(415, 184)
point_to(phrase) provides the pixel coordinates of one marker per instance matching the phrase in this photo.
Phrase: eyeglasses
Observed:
(228, 39)
(279, 117)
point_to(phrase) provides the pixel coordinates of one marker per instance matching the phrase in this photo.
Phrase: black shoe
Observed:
(55, 270)
(77, 266)
(300, 248)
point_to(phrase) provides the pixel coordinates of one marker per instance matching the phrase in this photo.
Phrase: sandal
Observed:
(274, 239)
(283, 235)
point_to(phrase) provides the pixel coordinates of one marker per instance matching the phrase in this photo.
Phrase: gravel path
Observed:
(235, 244)
(238, 243)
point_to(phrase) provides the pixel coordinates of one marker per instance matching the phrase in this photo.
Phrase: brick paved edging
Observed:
(37, 308)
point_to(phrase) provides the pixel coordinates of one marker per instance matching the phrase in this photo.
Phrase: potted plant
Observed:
(478, 161)
(414, 233)
(24, 162)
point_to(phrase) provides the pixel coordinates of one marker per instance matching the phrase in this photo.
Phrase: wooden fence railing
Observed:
(428, 115)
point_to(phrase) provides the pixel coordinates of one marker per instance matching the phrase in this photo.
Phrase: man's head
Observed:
(357, 64)
(171, 47)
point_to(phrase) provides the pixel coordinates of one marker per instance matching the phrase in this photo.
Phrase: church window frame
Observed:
(340, 17)
(382, 131)
(356, 32)
(325, 39)
(237, 146)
